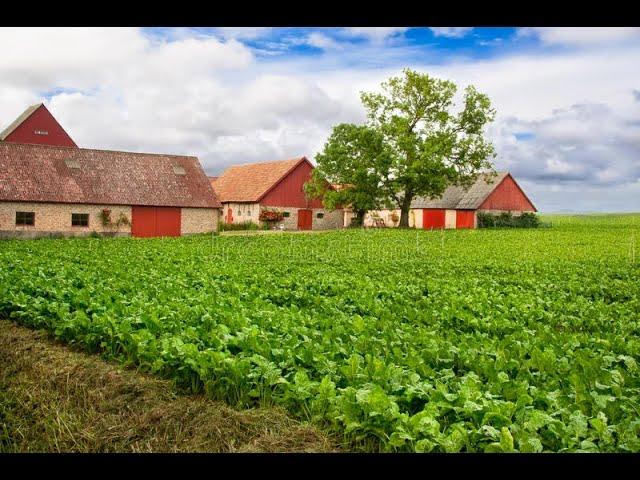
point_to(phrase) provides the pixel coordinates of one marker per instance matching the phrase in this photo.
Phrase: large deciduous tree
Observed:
(414, 143)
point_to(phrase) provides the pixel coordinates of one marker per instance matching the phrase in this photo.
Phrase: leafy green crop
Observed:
(486, 341)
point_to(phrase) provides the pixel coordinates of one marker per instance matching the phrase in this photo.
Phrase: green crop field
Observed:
(488, 340)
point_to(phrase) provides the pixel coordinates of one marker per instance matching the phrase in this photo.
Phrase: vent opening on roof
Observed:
(72, 163)
(179, 170)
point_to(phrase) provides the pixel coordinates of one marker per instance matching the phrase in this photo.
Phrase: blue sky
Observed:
(567, 99)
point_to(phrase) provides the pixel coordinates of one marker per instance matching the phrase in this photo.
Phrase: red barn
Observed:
(457, 207)
(49, 186)
(37, 125)
(245, 190)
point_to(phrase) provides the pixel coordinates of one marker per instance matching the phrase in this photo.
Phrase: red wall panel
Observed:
(289, 193)
(143, 221)
(168, 221)
(42, 121)
(507, 196)
(433, 218)
(155, 221)
(465, 219)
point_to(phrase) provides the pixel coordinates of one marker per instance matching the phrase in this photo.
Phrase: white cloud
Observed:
(581, 35)
(451, 32)
(244, 33)
(319, 40)
(374, 34)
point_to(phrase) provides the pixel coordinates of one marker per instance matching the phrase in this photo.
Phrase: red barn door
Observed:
(433, 218)
(304, 219)
(155, 221)
(465, 219)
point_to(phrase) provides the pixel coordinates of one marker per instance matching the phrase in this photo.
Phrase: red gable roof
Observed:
(37, 125)
(43, 173)
(251, 182)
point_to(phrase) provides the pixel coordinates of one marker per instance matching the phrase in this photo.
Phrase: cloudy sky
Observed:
(568, 99)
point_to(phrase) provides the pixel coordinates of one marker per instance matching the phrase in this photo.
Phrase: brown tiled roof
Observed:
(21, 118)
(43, 173)
(250, 182)
(456, 197)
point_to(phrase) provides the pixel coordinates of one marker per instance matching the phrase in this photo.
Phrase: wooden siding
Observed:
(507, 196)
(433, 218)
(289, 192)
(465, 219)
(41, 121)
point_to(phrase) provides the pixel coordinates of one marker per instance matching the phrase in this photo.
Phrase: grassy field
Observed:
(484, 340)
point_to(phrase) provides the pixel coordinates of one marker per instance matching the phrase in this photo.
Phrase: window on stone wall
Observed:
(25, 218)
(285, 214)
(319, 215)
(79, 219)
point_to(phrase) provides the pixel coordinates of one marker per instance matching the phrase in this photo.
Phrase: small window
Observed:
(285, 214)
(79, 219)
(25, 218)
(239, 212)
(179, 170)
(72, 163)
(319, 215)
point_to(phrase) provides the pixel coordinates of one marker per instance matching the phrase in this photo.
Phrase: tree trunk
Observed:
(358, 220)
(404, 211)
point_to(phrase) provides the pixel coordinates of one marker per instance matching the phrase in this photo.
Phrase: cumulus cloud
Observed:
(587, 144)
(243, 33)
(581, 35)
(320, 40)
(451, 32)
(374, 34)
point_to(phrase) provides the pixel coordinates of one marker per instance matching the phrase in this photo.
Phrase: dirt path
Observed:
(55, 399)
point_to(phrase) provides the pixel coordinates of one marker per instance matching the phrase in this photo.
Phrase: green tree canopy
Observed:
(414, 143)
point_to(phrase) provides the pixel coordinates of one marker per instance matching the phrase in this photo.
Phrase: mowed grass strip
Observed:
(55, 399)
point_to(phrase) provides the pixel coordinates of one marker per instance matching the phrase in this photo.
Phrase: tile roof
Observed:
(250, 182)
(44, 173)
(456, 197)
(21, 118)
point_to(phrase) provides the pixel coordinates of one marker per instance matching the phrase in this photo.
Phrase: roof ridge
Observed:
(297, 159)
(16, 144)
(19, 120)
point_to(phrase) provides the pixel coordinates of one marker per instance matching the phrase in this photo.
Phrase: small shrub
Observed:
(227, 227)
(507, 220)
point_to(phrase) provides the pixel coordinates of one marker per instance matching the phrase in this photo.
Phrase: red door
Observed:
(155, 221)
(433, 218)
(304, 219)
(465, 219)
(229, 217)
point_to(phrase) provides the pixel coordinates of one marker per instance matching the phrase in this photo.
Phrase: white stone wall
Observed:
(331, 219)
(55, 218)
(199, 220)
(242, 212)
(415, 218)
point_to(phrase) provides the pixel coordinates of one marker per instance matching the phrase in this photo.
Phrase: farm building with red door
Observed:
(57, 188)
(458, 207)
(246, 190)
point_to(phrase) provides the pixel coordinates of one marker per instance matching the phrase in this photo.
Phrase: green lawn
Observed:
(477, 340)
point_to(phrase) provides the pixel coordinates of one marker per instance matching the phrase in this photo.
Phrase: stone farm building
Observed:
(458, 208)
(49, 186)
(244, 190)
